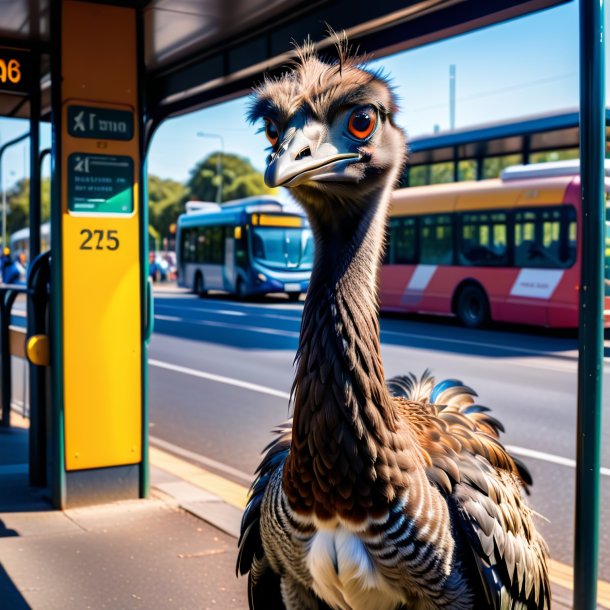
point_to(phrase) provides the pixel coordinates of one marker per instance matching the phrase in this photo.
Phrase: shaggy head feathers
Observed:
(321, 87)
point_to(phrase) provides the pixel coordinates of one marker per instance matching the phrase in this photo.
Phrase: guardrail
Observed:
(12, 342)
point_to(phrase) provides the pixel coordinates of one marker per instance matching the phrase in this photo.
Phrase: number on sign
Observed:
(10, 71)
(105, 240)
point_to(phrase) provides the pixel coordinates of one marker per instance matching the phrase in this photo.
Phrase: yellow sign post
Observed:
(99, 244)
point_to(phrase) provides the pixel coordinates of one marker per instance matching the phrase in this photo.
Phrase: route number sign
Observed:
(14, 71)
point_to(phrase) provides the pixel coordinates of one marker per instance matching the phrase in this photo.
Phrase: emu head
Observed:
(331, 127)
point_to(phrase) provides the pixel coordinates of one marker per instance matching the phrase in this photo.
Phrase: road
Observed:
(221, 372)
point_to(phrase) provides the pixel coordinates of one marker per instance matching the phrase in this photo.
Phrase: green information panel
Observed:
(100, 183)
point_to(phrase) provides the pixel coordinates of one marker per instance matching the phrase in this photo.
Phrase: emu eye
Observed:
(271, 132)
(362, 122)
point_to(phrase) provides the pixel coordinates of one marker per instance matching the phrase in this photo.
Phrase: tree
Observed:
(166, 200)
(239, 178)
(18, 204)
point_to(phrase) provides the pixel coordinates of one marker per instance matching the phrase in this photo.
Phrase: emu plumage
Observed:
(375, 496)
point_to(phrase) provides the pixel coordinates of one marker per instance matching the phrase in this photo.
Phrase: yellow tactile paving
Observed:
(230, 492)
(563, 575)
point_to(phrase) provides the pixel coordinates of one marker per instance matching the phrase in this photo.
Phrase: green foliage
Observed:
(239, 178)
(166, 200)
(18, 204)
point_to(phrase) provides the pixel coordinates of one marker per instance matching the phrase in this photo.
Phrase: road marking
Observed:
(522, 451)
(565, 357)
(254, 329)
(549, 457)
(235, 312)
(505, 348)
(201, 459)
(219, 378)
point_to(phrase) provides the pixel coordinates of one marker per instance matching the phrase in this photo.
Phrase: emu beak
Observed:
(294, 163)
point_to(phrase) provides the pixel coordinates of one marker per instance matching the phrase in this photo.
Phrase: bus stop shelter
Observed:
(106, 74)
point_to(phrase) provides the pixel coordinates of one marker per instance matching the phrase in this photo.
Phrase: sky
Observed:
(523, 67)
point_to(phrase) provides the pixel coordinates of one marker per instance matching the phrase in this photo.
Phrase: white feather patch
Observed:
(344, 574)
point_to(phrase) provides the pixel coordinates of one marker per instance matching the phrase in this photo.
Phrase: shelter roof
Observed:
(198, 52)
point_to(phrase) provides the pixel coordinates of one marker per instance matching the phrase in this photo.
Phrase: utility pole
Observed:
(452, 96)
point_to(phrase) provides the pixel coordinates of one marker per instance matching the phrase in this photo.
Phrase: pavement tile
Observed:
(153, 559)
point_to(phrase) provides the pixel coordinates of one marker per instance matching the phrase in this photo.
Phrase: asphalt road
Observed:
(221, 371)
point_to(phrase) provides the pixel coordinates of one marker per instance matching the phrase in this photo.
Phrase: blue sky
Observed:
(518, 68)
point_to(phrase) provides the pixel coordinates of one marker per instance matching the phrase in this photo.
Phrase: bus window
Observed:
(483, 239)
(241, 251)
(545, 237)
(403, 241)
(189, 245)
(217, 246)
(280, 246)
(436, 239)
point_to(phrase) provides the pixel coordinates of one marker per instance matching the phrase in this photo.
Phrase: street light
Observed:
(205, 134)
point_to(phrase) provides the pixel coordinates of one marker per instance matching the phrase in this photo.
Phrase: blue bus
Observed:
(256, 245)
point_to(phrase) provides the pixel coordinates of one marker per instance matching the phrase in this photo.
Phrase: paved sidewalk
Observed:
(156, 554)
(140, 554)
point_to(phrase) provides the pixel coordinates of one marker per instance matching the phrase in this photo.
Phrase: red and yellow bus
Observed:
(505, 250)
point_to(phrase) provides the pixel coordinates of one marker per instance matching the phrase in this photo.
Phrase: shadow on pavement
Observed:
(9, 594)
(261, 324)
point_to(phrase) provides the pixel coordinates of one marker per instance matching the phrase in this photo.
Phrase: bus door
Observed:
(229, 269)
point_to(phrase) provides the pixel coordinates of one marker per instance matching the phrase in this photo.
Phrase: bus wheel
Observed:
(242, 293)
(293, 296)
(472, 306)
(198, 288)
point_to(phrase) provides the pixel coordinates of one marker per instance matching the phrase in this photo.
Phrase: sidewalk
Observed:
(155, 554)
(140, 554)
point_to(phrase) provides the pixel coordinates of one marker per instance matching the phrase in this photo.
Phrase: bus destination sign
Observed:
(100, 184)
(14, 71)
(100, 123)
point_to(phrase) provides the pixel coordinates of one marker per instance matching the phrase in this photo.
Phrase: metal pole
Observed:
(590, 357)
(2, 149)
(35, 168)
(37, 375)
(452, 96)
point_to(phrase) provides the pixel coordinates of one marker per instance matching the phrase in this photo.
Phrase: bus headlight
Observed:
(261, 277)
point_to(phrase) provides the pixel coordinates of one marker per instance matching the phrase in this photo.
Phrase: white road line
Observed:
(219, 378)
(201, 459)
(235, 312)
(549, 457)
(253, 329)
(522, 451)
(506, 348)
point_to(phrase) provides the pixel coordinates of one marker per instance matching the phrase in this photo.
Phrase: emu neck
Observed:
(343, 417)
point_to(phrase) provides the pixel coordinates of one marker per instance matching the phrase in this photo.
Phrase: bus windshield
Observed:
(282, 247)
